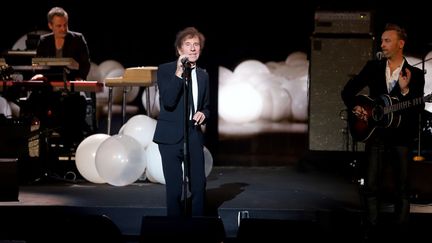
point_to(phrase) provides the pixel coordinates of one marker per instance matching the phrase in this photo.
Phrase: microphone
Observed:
(379, 55)
(185, 62)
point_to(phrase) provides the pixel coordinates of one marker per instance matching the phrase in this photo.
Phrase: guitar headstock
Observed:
(428, 98)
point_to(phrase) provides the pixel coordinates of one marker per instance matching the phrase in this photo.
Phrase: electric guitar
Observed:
(381, 112)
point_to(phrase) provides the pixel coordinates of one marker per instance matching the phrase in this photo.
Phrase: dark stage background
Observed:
(142, 34)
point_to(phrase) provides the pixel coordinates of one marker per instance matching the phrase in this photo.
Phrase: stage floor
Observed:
(267, 193)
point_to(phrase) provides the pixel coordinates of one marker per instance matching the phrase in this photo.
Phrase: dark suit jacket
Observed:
(75, 46)
(170, 125)
(373, 77)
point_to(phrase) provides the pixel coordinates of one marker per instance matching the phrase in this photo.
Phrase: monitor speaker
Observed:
(278, 230)
(192, 229)
(8, 179)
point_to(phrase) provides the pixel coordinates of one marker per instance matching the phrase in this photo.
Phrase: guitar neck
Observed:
(404, 105)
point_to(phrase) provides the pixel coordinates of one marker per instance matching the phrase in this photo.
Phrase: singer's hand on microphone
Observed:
(185, 61)
(180, 62)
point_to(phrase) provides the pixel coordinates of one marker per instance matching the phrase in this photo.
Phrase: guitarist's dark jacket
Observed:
(372, 76)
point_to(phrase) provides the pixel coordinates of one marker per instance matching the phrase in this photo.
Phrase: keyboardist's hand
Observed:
(39, 77)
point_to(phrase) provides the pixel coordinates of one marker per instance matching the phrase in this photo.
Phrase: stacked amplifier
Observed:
(342, 42)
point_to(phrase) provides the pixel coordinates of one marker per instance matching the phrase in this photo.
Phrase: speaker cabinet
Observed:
(8, 179)
(343, 22)
(195, 229)
(278, 230)
(334, 60)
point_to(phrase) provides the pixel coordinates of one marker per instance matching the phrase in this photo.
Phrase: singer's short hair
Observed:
(56, 11)
(401, 32)
(188, 32)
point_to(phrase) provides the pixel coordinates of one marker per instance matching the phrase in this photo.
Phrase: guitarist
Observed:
(392, 75)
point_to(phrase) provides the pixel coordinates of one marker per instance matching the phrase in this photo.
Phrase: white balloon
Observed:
(117, 93)
(296, 58)
(120, 160)
(5, 108)
(154, 170)
(208, 161)
(94, 73)
(140, 127)
(15, 109)
(240, 102)
(224, 75)
(151, 178)
(153, 96)
(251, 67)
(298, 89)
(107, 66)
(21, 44)
(85, 157)
(132, 93)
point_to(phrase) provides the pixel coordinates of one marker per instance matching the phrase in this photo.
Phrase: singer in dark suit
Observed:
(392, 143)
(169, 134)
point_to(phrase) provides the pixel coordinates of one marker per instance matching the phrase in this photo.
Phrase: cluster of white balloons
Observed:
(428, 74)
(272, 92)
(124, 158)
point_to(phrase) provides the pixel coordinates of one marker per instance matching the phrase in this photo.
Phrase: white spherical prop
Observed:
(240, 102)
(107, 66)
(94, 73)
(120, 160)
(141, 128)
(248, 67)
(117, 93)
(298, 89)
(208, 161)
(154, 170)
(150, 101)
(85, 157)
(5, 108)
(21, 43)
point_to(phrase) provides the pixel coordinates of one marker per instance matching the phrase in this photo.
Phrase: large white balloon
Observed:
(224, 75)
(141, 128)
(208, 161)
(298, 89)
(240, 102)
(154, 170)
(107, 66)
(251, 66)
(117, 93)
(5, 108)
(85, 157)
(120, 160)
(94, 73)
(150, 101)
(21, 43)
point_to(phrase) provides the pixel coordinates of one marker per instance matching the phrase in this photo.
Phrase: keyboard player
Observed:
(63, 110)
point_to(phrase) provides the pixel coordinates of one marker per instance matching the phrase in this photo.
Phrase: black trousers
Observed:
(172, 158)
(380, 155)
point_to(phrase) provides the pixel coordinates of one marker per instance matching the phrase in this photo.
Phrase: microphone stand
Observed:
(187, 81)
